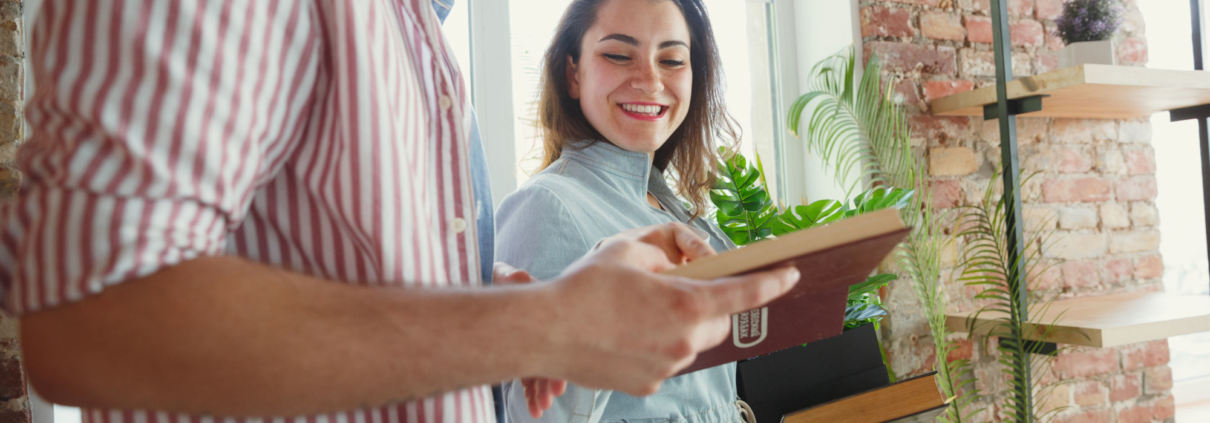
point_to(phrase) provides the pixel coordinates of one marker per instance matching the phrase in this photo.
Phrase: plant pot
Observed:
(800, 377)
(1087, 52)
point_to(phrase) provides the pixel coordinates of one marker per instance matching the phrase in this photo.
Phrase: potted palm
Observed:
(1087, 28)
(789, 380)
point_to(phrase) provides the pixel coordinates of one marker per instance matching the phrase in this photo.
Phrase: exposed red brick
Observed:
(975, 63)
(946, 194)
(1045, 62)
(1157, 380)
(942, 26)
(1086, 362)
(1119, 270)
(952, 161)
(1015, 7)
(900, 57)
(1027, 33)
(908, 93)
(1148, 354)
(937, 89)
(15, 416)
(886, 22)
(1162, 409)
(1132, 51)
(1139, 162)
(1149, 267)
(1126, 386)
(1082, 131)
(1072, 160)
(1048, 9)
(981, 6)
(12, 379)
(1085, 416)
(1090, 392)
(1050, 278)
(933, 3)
(978, 29)
(938, 129)
(1081, 273)
(965, 348)
(1136, 188)
(1085, 190)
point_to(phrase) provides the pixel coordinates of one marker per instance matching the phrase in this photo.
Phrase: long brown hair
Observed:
(689, 152)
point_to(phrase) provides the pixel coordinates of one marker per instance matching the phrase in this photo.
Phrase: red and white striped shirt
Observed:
(325, 136)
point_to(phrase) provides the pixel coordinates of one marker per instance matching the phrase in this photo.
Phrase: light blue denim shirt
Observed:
(588, 194)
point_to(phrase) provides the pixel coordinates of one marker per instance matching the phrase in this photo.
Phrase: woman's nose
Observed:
(647, 79)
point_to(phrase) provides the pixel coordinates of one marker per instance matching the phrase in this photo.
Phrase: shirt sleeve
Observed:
(536, 232)
(152, 124)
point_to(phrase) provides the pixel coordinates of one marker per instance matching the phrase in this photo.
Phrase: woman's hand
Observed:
(540, 392)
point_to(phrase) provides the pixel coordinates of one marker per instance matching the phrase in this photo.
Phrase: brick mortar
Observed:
(1097, 149)
(14, 407)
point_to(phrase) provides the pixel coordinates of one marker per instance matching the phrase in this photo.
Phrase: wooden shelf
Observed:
(1092, 91)
(1108, 320)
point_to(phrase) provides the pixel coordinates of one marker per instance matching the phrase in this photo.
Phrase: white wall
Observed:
(813, 21)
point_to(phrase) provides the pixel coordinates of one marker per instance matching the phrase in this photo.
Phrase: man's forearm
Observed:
(226, 336)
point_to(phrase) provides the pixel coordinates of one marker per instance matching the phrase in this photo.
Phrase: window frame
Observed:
(790, 52)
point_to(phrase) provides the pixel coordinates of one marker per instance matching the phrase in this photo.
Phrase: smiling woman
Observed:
(742, 35)
(631, 92)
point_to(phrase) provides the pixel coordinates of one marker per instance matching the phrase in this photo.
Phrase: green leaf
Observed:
(860, 314)
(802, 217)
(745, 211)
(871, 284)
(882, 198)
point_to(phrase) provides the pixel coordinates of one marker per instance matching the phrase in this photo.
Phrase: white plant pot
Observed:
(1087, 52)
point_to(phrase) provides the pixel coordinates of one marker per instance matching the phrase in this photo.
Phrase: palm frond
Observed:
(986, 265)
(854, 124)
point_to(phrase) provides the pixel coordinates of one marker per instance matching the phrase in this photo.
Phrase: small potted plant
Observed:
(1087, 28)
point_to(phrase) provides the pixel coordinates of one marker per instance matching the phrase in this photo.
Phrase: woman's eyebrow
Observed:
(634, 42)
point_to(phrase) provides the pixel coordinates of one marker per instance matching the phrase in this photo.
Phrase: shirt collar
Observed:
(633, 169)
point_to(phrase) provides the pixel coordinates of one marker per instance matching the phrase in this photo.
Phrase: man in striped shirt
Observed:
(258, 210)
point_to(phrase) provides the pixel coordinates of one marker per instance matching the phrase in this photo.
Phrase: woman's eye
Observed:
(616, 57)
(673, 62)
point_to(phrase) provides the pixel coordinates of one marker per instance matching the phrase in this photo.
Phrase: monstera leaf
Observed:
(802, 217)
(880, 198)
(745, 211)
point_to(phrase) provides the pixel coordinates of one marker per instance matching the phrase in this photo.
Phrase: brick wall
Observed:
(1095, 186)
(14, 405)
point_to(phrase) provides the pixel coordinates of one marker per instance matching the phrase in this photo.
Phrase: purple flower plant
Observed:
(1088, 20)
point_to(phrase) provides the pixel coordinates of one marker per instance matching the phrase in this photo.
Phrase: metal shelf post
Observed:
(1002, 50)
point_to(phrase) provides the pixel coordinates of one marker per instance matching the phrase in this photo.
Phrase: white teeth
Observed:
(642, 109)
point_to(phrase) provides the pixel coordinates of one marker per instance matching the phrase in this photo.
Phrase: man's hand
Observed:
(540, 392)
(616, 323)
(681, 243)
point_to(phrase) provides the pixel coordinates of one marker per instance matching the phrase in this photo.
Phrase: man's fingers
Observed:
(548, 397)
(506, 274)
(691, 243)
(679, 242)
(736, 294)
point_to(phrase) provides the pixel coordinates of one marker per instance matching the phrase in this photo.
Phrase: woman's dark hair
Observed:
(689, 152)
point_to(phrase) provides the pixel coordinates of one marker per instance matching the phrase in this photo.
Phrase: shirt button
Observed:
(458, 225)
(445, 102)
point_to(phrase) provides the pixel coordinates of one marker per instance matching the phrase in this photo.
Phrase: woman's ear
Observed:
(573, 79)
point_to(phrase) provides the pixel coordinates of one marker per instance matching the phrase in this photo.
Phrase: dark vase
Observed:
(796, 378)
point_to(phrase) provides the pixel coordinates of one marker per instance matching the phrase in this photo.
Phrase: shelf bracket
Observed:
(1187, 113)
(1016, 106)
(1036, 347)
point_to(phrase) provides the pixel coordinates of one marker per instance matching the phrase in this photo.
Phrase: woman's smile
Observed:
(644, 111)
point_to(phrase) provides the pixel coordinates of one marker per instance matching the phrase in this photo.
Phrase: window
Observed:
(742, 31)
